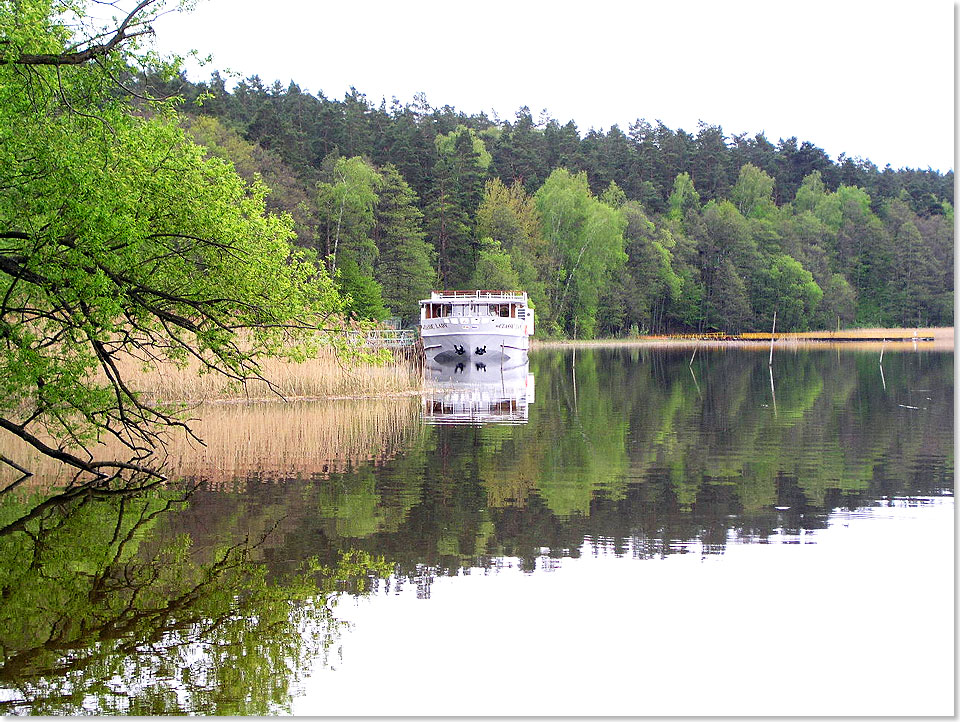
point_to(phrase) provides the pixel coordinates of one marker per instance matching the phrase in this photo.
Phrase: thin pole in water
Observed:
(773, 391)
(695, 347)
(772, 332)
(881, 350)
(699, 395)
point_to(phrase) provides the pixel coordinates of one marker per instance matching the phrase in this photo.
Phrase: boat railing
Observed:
(478, 294)
(384, 338)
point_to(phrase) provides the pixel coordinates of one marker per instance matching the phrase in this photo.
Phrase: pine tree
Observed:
(405, 266)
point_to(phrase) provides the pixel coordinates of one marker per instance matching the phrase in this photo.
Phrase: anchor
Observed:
(458, 349)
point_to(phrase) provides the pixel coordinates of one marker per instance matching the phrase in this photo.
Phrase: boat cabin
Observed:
(502, 304)
(442, 310)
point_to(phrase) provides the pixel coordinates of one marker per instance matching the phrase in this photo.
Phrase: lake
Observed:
(608, 531)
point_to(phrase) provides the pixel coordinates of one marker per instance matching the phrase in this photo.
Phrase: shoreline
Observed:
(891, 339)
(853, 340)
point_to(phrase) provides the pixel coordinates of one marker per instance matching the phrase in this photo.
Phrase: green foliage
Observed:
(494, 270)
(588, 236)
(683, 199)
(118, 237)
(346, 198)
(828, 216)
(753, 193)
(405, 265)
(451, 143)
(788, 288)
(509, 216)
(363, 296)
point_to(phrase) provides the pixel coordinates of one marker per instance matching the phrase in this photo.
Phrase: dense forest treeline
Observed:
(611, 233)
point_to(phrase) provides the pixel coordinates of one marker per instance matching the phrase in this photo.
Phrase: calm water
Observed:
(602, 532)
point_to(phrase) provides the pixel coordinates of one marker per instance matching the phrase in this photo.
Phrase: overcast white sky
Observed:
(871, 78)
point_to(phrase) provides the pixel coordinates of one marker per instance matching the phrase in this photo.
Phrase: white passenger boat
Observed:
(487, 327)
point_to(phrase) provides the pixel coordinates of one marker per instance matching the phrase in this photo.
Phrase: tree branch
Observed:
(99, 50)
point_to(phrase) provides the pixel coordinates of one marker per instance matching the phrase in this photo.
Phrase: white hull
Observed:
(446, 345)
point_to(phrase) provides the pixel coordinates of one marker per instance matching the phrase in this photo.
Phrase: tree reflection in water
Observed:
(161, 601)
(104, 613)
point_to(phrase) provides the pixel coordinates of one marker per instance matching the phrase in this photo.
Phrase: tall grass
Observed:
(301, 439)
(245, 434)
(304, 439)
(325, 376)
(898, 339)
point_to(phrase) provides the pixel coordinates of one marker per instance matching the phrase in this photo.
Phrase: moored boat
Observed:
(488, 327)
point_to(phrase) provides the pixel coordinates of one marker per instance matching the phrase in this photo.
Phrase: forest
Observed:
(612, 233)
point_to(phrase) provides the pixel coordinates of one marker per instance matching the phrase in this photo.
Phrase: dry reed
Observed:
(302, 439)
(898, 339)
(325, 376)
(246, 435)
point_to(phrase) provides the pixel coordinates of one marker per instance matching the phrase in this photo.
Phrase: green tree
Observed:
(753, 193)
(683, 199)
(288, 193)
(118, 238)
(727, 253)
(588, 236)
(494, 270)
(346, 199)
(510, 217)
(789, 289)
(458, 185)
(405, 267)
(362, 295)
(651, 266)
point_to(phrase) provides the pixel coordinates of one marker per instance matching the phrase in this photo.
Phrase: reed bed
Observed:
(897, 340)
(340, 414)
(304, 439)
(263, 441)
(325, 376)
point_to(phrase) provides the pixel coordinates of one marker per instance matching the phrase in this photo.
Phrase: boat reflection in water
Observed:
(477, 393)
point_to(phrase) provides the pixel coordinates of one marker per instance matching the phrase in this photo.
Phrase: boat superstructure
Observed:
(476, 326)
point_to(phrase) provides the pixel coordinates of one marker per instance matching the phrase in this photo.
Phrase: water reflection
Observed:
(215, 598)
(475, 393)
(107, 612)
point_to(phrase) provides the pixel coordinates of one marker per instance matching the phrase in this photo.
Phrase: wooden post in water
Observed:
(695, 347)
(773, 391)
(772, 332)
(699, 395)
(881, 350)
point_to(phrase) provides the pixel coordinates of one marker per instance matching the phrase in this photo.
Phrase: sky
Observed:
(872, 79)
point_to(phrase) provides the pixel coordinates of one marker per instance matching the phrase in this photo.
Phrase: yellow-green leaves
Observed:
(119, 237)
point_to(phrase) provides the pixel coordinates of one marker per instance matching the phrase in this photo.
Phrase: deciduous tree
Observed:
(119, 238)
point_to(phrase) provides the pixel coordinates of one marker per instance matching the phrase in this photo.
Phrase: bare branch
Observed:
(92, 52)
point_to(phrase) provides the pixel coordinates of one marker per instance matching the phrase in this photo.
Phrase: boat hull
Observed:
(443, 346)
